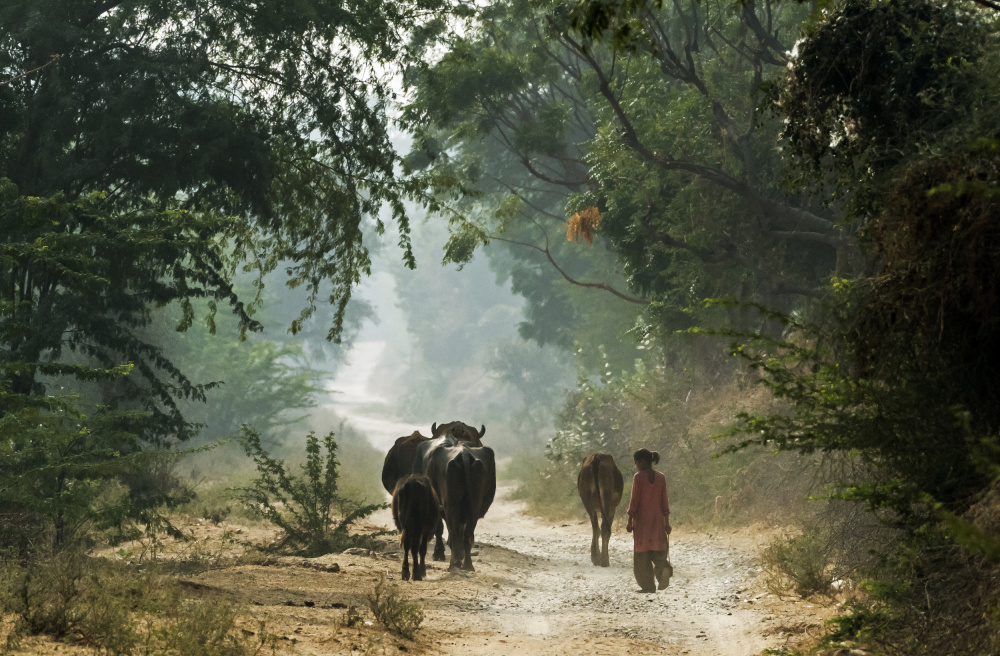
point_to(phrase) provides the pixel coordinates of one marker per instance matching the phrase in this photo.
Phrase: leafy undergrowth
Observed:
(313, 516)
(119, 609)
(215, 593)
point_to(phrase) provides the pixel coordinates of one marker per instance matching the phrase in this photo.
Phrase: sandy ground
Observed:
(534, 591)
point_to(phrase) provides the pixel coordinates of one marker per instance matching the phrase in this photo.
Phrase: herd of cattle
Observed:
(449, 479)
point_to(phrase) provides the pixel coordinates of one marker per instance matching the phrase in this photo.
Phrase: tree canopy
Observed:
(151, 150)
(647, 124)
(272, 113)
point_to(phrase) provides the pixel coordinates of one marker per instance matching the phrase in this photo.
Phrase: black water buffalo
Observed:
(399, 460)
(600, 486)
(416, 511)
(462, 432)
(465, 480)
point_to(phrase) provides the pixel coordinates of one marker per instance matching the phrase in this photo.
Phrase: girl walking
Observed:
(649, 518)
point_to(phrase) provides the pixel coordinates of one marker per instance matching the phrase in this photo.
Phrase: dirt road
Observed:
(535, 591)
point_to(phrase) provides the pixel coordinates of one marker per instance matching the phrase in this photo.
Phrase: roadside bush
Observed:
(205, 629)
(925, 597)
(394, 611)
(678, 415)
(116, 609)
(69, 596)
(304, 506)
(801, 563)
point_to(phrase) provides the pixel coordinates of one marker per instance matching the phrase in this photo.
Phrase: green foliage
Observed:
(498, 128)
(79, 278)
(659, 128)
(267, 383)
(891, 108)
(874, 83)
(68, 473)
(890, 428)
(394, 611)
(304, 506)
(899, 374)
(271, 113)
(927, 596)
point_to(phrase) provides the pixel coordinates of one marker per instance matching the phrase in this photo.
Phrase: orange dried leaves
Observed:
(583, 224)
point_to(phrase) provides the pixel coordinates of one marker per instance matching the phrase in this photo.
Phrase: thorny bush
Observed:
(305, 507)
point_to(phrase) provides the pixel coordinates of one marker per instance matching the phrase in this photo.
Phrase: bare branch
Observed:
(593, 285)
(52, 60)
(989, 4)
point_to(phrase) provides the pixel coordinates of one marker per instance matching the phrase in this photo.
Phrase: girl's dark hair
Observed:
(646, 455)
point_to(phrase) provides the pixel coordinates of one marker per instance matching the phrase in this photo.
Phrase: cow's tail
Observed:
(595, 471)
(400, 511)
(468, 462)
(475, 472)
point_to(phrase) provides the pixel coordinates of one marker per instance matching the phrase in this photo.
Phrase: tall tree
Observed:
(272, 113)
(641, 126)
(150, 148)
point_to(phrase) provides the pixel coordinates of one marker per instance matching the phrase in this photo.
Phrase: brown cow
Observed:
(399, 461)
(417, 512)
(600, 485)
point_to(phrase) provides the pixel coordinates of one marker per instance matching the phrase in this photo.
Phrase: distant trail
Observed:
(353, 396)
(535, 591)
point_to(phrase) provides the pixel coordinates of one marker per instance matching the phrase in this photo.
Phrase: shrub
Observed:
(927, 596)
(800, 563)
(393, 611)
(206, 629)
(116, 609)
(303, 506)
(66, 595)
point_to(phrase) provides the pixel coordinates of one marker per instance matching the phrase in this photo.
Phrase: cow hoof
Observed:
(440, 558)
(406, 575)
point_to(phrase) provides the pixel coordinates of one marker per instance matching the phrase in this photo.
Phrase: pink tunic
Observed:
(649, 508)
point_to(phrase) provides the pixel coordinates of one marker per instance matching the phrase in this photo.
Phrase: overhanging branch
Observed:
(593, 285)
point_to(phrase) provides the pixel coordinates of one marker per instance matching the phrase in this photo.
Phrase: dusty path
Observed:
(535, 591)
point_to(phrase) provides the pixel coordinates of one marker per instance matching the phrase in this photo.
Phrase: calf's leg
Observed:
(439, 540)
(405, 574)
(424, 539)
(415, 551)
